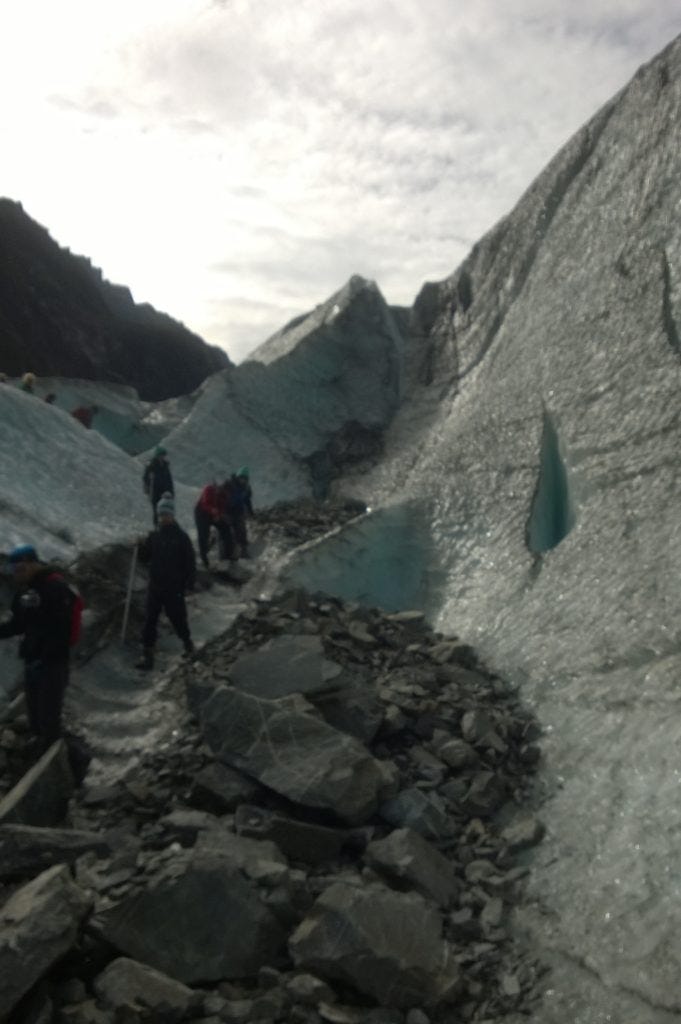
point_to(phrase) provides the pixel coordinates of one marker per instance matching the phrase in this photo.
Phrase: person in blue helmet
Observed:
(157, 479)
(41, 613)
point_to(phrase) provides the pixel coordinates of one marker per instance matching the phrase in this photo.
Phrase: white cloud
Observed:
(235, 162)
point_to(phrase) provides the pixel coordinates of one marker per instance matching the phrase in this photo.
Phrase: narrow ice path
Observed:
(124, 713)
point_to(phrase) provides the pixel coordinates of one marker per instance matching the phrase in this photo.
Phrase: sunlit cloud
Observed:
(234, 163)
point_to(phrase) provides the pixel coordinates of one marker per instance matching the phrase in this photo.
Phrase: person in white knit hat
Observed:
(169, 553)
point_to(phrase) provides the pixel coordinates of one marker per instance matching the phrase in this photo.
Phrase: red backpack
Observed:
(77, 606)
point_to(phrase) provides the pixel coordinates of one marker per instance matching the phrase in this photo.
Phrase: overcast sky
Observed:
(235, 162)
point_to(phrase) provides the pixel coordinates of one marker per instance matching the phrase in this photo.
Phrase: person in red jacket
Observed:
(85, 414)
(211, 510)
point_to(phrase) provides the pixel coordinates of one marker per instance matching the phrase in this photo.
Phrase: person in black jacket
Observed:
(239, 500)
(172, 571)
(157, 479)
(41, 613)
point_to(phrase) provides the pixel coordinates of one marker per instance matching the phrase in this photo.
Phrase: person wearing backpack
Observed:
(44, 612)
(211, 510)
(157, 479)
(169, 553)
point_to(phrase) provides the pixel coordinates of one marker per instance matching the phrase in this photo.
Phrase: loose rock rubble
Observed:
(333, 833)
(295, 522)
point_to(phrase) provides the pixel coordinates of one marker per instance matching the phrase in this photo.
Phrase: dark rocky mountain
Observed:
(60, 317)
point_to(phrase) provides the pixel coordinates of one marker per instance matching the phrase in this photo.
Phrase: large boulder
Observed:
(288, 748)
(38, 925)
(126, 985)
(199, 921)
(388, 945)
(407, 856)
(284, 665)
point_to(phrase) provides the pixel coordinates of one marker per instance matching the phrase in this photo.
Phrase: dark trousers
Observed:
(175, 608)
(204, 521)
(44, 685)
(239, 528)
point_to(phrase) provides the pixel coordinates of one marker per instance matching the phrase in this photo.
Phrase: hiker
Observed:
(157, 479)
(27, 383)
(85, 414)
(239, 505)
(172, 571)
(211, 510)
(42, 612)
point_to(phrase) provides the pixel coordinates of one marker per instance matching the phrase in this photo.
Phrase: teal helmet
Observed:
(160, 450)
(243, 472)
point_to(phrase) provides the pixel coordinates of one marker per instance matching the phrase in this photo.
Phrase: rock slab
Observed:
(38, 924)
(128, 985)
(386, 944)
(200, 921)
(288, 748)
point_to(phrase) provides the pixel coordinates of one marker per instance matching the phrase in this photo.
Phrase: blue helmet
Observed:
(23, 553)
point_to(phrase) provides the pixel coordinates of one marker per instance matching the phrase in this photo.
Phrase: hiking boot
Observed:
(189, 650)
(146, 662)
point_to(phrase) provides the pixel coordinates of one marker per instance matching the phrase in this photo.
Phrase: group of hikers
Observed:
(83, 413)
(223, 506)
(46, 609)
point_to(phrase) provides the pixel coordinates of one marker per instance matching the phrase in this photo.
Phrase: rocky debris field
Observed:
(334, 832)
(295, 522)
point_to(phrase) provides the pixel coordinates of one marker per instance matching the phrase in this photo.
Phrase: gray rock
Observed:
(422, 812)
(458, 754)
(237, 1011)
(485, 794)
(220, 789)
(388, 945)
(292, 751)
(299, 840)
(38, 924)
(128, 984)
(225, 932)
(28, 849)
(416, 1016)
(241, 851)
(491, 915)
(354, 709)
(89, 1012)
(285, 665)
(309, 990)
(184, 824)
(406, 855)
(509, 985)
(523, 833)
(40, 798)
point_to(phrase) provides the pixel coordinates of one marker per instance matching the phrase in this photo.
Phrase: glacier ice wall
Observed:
(540, 432)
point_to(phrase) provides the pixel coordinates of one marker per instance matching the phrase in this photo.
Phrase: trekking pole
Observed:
(128, 596)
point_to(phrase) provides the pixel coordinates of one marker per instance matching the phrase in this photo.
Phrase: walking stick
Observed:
(128, 596)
